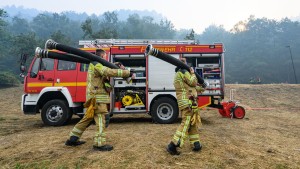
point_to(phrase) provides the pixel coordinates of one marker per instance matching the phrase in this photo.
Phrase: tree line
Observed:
(256, 48)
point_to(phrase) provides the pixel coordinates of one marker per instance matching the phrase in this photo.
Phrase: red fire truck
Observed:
(56, 88)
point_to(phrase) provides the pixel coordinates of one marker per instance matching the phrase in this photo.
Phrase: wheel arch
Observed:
(52, 93)
(160, 96)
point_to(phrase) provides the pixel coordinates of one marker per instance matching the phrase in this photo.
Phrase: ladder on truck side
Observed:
(100, 43)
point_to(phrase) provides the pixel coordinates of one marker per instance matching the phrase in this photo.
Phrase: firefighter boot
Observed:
(105, 147)
(74, 141)
(197, 146)
(172, 149)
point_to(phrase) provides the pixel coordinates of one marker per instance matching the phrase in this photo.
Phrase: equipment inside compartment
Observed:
(131, 98)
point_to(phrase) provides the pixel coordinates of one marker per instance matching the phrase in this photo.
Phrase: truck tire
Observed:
(55, 113)
(164, 110)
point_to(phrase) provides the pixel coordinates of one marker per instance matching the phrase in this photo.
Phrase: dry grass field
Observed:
(265, 138)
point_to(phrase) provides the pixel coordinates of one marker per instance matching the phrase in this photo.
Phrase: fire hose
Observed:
(50, 44)
(60, 56)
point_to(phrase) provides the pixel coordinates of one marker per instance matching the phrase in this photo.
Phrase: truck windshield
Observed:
(35, 68)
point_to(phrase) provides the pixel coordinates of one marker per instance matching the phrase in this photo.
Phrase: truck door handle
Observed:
(50, 79)
(41, 77)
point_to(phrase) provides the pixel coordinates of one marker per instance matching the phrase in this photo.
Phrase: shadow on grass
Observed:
(117, 120)
(206, 121)
(120, 120)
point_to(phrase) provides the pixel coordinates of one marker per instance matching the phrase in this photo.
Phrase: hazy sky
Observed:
(196, 14)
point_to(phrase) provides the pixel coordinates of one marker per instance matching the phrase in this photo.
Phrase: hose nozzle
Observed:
(50, 44)
(205, 84)
(151, 51)
(39, 52)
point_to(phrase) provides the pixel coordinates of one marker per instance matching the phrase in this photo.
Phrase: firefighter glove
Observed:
(90, 105)
(196, 119)
(131, 72)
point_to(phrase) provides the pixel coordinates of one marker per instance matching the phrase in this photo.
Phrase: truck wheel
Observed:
(55, 113)
(164, 110)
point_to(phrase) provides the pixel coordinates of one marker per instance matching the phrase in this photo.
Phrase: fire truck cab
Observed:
(56, 88)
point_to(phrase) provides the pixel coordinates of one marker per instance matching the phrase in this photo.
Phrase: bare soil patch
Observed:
(265, 138)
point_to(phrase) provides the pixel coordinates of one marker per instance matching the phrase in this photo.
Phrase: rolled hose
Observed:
(50, 44)
(60, 56)
(176, 62)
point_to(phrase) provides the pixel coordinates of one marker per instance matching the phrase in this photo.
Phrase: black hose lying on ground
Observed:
(170, 59)
(60, 56)
(50, 44)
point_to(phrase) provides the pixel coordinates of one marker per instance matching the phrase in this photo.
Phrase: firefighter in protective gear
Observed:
(108, 88)
(186, 92)
(97, 100)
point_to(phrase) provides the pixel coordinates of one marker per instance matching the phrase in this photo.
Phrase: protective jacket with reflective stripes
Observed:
(95, 81)
(185, 85)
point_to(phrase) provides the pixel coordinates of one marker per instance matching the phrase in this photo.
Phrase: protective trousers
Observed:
(99, 117)
(186, 130)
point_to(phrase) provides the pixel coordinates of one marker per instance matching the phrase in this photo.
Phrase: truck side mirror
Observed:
(22, 75)
(33, 75)
(22, 68)
(22, 64)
